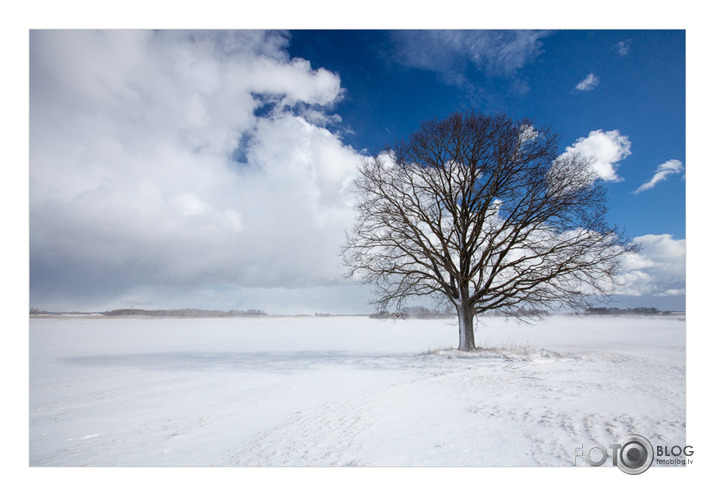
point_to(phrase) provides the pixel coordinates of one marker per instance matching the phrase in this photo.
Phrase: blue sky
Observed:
(210, 169)
(638, 89)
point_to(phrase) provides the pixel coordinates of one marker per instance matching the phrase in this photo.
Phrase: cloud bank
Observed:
(657, 270)
(182, 160)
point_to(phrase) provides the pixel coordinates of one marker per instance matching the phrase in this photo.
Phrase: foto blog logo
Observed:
(632, 454)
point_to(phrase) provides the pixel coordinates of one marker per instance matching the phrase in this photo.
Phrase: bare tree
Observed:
(483, 213)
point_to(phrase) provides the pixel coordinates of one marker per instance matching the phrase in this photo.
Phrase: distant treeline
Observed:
(413, 313)
(426, 313)
(625, 311)
(37, 311)
(184, 312)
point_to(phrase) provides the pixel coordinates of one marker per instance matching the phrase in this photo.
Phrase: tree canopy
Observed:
(484, 213)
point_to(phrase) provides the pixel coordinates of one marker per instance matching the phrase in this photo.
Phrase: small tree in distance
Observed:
(483, 213)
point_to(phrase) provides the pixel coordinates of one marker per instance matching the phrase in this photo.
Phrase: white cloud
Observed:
(623, 48)
(454, 55)
(657, 270)
(527, 133)
(496, 52)
(661, 173)
(606, 149)
(588, 83)
(132, 181)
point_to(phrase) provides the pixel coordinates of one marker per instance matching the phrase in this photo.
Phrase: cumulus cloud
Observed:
(181, 159)
(661, 174)
(657, 270)
(605, 149)
(588, 83)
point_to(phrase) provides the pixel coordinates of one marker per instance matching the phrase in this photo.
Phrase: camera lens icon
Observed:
(635, 455)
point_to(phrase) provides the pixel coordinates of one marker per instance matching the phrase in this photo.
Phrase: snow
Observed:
(348, 391)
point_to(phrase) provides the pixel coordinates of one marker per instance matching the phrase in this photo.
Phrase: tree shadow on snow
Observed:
(279, 362)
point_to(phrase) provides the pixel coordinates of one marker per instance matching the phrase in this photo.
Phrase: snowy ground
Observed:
(348, 391)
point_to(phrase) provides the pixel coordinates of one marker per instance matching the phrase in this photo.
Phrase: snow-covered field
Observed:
(348, 391)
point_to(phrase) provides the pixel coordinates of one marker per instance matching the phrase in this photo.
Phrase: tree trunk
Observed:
(466, 328)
